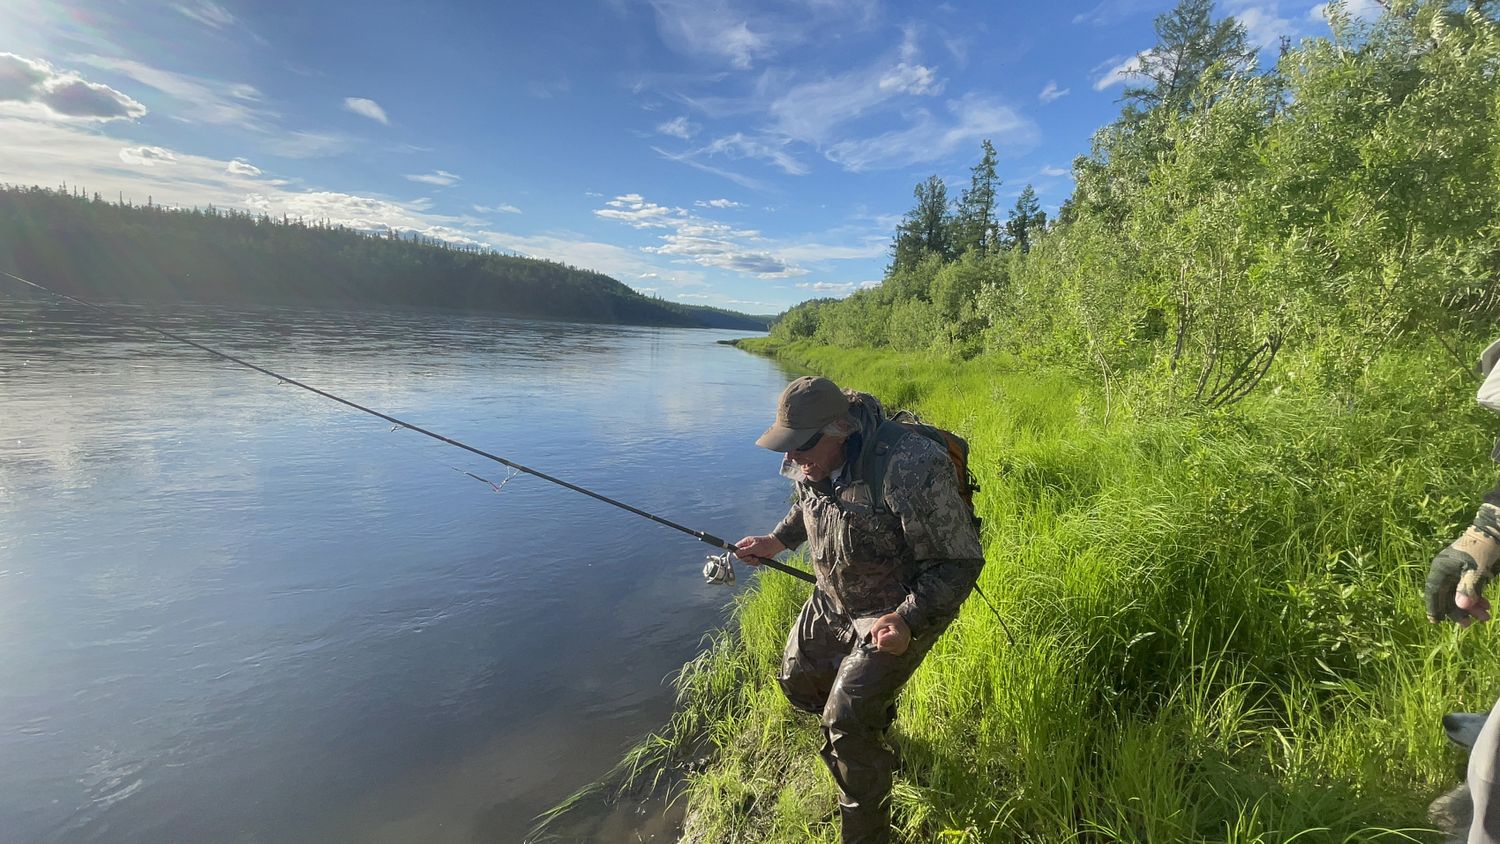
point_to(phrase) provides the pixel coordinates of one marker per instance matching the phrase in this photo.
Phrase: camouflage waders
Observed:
(829, 669)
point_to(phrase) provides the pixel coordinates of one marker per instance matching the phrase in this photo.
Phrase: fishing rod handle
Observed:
(794, 572)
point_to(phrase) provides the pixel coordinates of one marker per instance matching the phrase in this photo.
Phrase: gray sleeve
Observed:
(922, 488)
(940, 589)
(791, 531)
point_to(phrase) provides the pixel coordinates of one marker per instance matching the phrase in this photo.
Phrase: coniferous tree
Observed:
(1026, 221)
(1192, 50)
(976, 227)
(926, 229)
(1190, 46)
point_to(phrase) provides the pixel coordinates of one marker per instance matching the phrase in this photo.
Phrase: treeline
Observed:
(1234, 227)
(92, 248)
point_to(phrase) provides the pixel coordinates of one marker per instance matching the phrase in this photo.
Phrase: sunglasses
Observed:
(810, 444)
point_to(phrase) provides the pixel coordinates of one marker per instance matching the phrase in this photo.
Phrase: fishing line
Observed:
(699, 535)
(417, 452)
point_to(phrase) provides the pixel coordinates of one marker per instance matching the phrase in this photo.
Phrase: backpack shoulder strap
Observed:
(878, 457)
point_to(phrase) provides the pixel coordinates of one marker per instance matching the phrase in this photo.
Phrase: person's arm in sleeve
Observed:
(791, 531)
(922, 488)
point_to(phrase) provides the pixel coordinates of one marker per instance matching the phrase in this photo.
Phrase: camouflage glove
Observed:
(1464, 568)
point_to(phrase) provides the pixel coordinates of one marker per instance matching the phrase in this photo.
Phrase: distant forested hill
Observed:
(101, 250)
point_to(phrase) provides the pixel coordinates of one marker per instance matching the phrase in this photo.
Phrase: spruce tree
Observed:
(926, 229)
(976, 225)
(1190, 46)
(1026, 220)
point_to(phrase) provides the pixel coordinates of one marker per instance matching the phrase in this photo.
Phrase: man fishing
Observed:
(892, 569)
(1455, 592)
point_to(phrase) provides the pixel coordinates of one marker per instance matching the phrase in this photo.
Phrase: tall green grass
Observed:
(1219, 632)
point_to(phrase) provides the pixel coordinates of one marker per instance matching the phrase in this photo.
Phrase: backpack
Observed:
(877, 457)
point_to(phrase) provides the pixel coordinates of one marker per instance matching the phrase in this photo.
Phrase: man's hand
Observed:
(752, 549)
(1458, 575)
(890, 634)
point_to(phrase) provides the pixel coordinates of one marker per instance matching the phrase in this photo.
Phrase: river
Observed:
(231, 610)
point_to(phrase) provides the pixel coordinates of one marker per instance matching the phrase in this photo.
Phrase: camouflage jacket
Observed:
(918, 555)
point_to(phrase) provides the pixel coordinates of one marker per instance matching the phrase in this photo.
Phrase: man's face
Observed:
(818, 462)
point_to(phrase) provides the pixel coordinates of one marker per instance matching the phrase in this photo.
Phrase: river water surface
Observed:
(234, 611)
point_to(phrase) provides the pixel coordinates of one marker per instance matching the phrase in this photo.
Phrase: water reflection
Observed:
(232, 610)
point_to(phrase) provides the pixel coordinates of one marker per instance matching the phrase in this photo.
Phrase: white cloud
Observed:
(306, 145)
(207, 13)
(872, 246)
(633, 210)
(911, 79)
(718, 203)
(367, 108)
(679, 127)
(910, 50)
(441, 178)
(363, 213)
(1365, 10)
(738, 146)
(930, 138)
(145, 156)
(1118, 71)
(241, 168)
(35, 87)
(834, 114)
(957, 46)
(705, 242)
(703, 248)
(22, 79)
(690, 159)
(1113, 11)
(812, 111)
(502, 208)
(1049, 170)
(716, 30)
(208, 100)
(827, 286)
(1264, 25)
(1052, 93)
(740, 34)
(837, 288)
(608, 258)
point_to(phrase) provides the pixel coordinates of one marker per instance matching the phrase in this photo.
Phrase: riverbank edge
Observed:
(1337, 738)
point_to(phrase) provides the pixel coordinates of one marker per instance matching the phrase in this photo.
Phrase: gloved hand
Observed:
(1459, 573)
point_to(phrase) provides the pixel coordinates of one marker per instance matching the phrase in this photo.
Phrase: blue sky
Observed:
(738, 154)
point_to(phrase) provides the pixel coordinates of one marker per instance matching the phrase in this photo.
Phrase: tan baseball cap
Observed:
(806, 407)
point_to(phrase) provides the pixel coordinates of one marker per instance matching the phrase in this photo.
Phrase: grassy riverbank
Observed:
(1218, 622)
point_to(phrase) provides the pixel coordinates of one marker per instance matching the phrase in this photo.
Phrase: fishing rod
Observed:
(717, 570)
